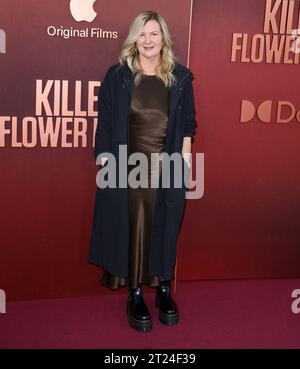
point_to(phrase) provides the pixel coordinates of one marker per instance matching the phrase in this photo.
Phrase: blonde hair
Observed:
(130, 54)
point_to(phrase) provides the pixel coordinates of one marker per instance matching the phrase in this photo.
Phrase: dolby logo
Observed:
(281, 112)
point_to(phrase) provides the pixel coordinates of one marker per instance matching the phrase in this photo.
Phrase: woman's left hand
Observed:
(186, 150)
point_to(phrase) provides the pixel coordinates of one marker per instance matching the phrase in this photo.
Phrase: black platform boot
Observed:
(168, 311)
(138, 314)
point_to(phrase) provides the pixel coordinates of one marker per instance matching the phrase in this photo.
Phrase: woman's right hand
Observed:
(103, 160)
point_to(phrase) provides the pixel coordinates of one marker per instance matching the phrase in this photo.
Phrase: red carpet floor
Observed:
(214, 314)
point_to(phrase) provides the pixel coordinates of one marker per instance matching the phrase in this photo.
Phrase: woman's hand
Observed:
(103, 160)
(186, 150)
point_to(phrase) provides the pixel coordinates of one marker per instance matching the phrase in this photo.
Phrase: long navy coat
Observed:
(110, 229)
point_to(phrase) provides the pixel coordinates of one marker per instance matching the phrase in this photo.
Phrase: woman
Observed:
(145, 102)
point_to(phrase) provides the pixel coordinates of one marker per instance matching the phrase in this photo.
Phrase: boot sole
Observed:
(139, 325)
(168, 319)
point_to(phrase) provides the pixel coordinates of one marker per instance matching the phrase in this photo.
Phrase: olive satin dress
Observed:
(147, 127)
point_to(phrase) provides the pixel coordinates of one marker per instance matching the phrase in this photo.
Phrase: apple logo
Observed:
(82, 10)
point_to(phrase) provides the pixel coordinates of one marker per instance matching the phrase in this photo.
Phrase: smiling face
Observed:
(150, 40)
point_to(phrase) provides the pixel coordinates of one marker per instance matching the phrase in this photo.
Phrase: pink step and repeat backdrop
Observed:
(245, 60)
